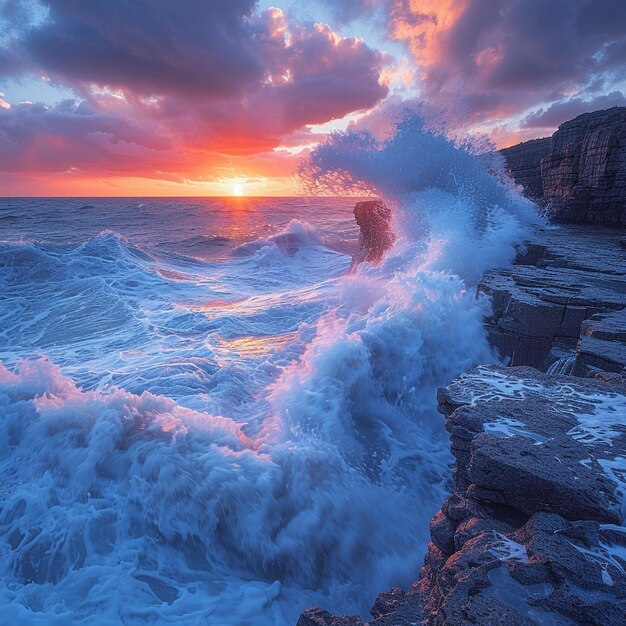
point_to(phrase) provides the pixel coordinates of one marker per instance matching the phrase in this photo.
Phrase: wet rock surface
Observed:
(531, 532)
(534, 530)
(535, 514)
(602, 344)
(580, 172)
(555, 301)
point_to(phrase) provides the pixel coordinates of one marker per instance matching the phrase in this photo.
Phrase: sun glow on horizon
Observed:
(238, 190)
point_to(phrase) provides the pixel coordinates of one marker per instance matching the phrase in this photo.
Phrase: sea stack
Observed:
(373, 218)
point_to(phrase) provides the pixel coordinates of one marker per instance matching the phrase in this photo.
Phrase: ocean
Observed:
(205, 418)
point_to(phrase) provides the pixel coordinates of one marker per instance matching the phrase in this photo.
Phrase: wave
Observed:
(78, 302)
(199, 246)
(265, 496)
(296, 236)
(157, 502)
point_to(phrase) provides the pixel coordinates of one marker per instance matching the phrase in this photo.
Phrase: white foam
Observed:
(509, 550)
(615, 469)
(244, 489)
(601, 418)
(508, 427)
(605, 555)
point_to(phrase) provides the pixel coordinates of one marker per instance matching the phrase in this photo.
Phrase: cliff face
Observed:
(524, 161)
(580, 172)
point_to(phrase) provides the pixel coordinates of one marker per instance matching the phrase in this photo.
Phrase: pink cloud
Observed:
(497, 58)
(179, 87)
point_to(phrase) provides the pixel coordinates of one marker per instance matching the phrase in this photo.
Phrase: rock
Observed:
(387, 602)
(580, 172)
(524, 163)
(529, 534)
(584, 175)
(540, 304)
(442, 532)
(376, 237)
(538, 442)
(602, 344)
(318, 617)
(540, 481)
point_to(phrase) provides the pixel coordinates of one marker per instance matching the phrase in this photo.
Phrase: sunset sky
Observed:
(198, 97)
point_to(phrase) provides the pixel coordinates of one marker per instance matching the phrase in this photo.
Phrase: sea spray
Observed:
(297, 474)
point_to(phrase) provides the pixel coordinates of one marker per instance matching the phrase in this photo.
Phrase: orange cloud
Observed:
(211, 105)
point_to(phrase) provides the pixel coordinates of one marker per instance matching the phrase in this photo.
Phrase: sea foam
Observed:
(302, 472)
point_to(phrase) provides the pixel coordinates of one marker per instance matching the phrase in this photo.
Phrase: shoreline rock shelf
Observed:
(540, 482)
(561, 297)
(530, 533)
(533, 531)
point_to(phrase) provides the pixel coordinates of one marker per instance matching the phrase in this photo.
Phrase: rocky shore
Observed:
(562, 304)
(533, 530)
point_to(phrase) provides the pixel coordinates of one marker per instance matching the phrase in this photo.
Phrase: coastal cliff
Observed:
(524, 164)
(533, 530)
(580, 172)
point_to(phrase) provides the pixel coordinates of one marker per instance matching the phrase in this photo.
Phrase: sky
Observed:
(223, 97)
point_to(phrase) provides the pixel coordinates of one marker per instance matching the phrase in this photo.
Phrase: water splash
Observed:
(263, 495)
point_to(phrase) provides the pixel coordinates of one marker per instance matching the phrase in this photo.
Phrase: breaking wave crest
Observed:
(302, 470)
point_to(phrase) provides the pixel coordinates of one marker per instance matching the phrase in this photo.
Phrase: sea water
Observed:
(206, 419)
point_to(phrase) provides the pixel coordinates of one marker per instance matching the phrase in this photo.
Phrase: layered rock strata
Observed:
(524, 163)
(531, 530)
(580, 172)
(531, 533)
(563, 296)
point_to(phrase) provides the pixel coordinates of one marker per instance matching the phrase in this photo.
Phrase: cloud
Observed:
(37, 138)
(191, 81)
(499, 57)
(192, 49)
(559, 112)
(148, 46)
(182, 89)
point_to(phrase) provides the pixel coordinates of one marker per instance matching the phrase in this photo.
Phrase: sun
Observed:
(238, 189)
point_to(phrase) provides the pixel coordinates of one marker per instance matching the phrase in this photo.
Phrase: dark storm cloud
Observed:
(151, 46)
(191, 48)
(559, 112)
(207, 76)
(500, 57)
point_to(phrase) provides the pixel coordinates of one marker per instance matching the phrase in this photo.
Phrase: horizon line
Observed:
(238, 198)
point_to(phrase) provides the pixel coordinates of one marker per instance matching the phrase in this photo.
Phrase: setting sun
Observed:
(238, 189)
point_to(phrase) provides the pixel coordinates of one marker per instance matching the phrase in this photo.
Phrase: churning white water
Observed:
(205, 419)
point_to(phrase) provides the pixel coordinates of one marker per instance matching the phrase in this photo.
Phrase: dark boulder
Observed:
(376, 237)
